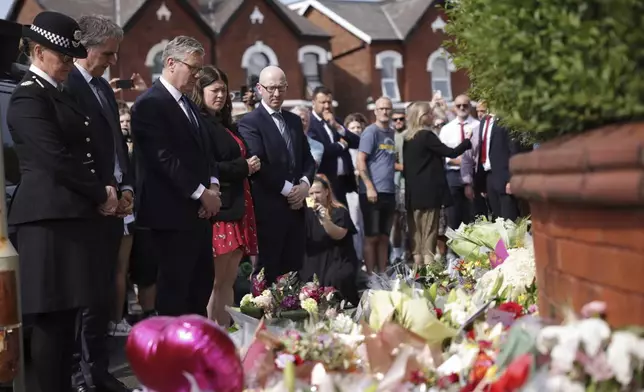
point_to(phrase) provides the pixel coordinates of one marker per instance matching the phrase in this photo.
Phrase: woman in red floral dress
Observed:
(234, 231)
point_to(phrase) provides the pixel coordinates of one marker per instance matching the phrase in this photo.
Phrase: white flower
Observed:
(562, 341)
(264, 301)
(518, 272)
(343, 324)
(247, 300)
(561, 383)
(625, 353)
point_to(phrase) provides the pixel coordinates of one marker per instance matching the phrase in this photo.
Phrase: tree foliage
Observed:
(552, 67)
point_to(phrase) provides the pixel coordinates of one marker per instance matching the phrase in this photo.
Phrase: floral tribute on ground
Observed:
(423, 329)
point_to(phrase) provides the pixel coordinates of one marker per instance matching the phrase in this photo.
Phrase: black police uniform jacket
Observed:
(55, 206)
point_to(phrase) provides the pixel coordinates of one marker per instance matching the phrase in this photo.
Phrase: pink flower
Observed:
(593, 309)
(310, 290)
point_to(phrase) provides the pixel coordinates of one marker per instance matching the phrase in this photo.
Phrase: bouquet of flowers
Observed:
(288, 298)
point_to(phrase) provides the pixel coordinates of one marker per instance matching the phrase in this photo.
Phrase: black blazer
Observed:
(57, 155)
(264, 140)
(333, 150)
(232, 168)
(424, 170)
(105, 126)
(172, 160)
(502, 148)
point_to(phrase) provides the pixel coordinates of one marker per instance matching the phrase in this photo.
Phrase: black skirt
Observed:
(61, 265)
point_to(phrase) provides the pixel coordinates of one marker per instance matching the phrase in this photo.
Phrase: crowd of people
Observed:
(173, 192)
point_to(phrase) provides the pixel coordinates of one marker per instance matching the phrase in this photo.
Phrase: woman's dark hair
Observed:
(210, 75)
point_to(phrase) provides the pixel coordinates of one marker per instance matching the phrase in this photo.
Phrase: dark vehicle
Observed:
(11, 73)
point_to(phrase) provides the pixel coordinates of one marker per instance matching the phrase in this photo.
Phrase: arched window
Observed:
(312, 58)
(440, 67)
(256, 57)
(154, 61)
(388, 62)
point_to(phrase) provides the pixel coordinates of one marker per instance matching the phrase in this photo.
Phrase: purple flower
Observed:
(290, 302)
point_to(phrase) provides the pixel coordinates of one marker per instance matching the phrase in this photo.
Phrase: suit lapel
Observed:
(274, 135)
(80, 86)
(63, 97)
(177, 112)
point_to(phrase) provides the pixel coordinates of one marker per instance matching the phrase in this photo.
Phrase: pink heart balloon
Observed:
(163, 350)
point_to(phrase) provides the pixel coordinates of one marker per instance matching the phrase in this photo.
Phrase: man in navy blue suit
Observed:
(336, 161)
(177, 185)
(282, 184)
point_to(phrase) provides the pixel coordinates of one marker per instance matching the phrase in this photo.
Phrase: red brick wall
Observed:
(240, 34)
(422, 42)
(28, 12)
(351, 75)
(147, 31)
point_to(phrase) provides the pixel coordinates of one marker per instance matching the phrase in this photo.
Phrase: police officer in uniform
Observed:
(59, 201)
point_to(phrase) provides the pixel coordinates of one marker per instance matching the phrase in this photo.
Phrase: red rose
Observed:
(512, 307)
(439, 313)
(515, 376)
(446, 381)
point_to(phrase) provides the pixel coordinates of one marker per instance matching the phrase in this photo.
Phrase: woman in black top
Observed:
(426, 185)
(330, 254)
(233, 233)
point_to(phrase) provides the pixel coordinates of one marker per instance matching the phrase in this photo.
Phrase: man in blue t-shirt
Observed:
(376, 165)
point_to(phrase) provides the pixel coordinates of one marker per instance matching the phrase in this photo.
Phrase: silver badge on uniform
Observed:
(27, 83)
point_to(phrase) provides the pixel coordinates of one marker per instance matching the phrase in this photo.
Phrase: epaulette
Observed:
(30, 82)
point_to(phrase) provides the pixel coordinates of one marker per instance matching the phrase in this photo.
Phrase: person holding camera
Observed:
(330, 254)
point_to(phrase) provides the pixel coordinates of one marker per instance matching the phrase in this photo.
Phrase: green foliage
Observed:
(552, 67)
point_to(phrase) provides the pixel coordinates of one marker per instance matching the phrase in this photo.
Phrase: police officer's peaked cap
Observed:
(58, 32)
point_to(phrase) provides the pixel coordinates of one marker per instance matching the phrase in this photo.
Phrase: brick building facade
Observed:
(361, 50)
(392, 48)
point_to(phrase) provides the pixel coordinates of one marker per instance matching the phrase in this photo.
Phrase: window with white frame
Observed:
(257, 57)
(440, 67)
(389, 62)
(154, 59)
(312, 58)
(257, 62)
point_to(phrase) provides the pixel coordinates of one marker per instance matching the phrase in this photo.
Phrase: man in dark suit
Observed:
(102, 38)
(283, 182)
(336, 161)
(485, 169)
(176, 183)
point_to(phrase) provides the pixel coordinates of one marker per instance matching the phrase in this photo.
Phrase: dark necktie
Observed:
(111, 118)
(285, 134)
(191, 115)
(462, 131)
(484, 141)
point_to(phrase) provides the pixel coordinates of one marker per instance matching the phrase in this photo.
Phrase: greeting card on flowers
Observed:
(495, 316)
(500, 254)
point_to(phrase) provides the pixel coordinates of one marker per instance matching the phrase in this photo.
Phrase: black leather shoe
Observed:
(109, 383)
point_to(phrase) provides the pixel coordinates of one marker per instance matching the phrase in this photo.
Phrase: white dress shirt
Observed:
(487, 166)
(43, 75)
(118, 173)
(329, 133)
(451, 136)
(176, 94)
(286, 189)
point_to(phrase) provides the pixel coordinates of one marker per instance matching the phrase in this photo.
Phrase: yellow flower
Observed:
(310, 306)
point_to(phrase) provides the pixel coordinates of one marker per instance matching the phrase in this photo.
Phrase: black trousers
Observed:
(341, 186)
(52, 348)
(91, 356)
(461, 208)
(282, 245)
(186, 269)
(502, 205)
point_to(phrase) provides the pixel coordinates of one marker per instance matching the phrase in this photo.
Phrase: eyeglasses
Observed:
(62, 57)
(194, 70)
(462, 105)
(398, 119)
(271, 89)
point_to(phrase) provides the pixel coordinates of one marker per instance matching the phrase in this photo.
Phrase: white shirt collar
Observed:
(88, 78)
(269, 109)
(176, 94)
(316, 115)
(468, 120)
(43, 75)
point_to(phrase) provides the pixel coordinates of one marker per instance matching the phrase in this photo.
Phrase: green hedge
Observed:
(552, 67)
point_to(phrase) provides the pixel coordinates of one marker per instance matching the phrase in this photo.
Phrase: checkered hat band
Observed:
(52, 37)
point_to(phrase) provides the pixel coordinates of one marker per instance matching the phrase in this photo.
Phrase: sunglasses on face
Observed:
(462, 105)
(399, 119)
